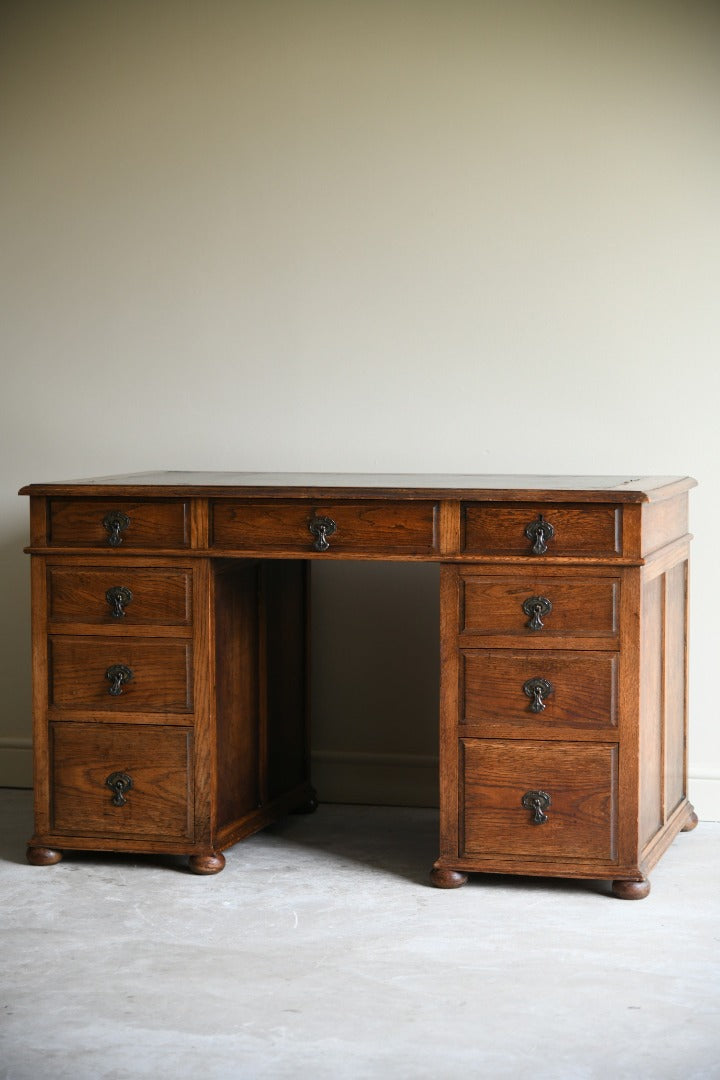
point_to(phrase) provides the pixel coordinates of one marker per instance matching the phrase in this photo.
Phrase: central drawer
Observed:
(346, 527)
(92, 673)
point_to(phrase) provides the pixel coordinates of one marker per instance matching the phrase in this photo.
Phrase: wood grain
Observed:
(236, 587)
(162, 674)
(652, 708)
(158, 760)
(582, 606)
(160, 597)
(581, 780)
(407, 528)
(584, 690)
(79, 523)
(492, 529)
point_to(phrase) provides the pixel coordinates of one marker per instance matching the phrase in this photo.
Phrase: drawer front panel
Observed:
(579, 606)
(370, 527)
(579, 778)
(136, 596)
(576, 689)
(499, 529)
(150, 769)
(128, 525)
(160, 682)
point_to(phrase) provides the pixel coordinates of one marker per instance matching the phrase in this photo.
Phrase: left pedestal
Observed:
(169, 696)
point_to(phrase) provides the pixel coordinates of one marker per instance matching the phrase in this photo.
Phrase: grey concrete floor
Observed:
(321, 951)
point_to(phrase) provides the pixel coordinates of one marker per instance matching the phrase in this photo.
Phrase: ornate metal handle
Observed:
(539, 531)
(115, 522)
(118, 598)
(119, 783)
(535, 607)
(537, 690)
(118, 674)
(321, 528)
(538, 802)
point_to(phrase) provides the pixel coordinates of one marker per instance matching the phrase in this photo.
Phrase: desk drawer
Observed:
(538, 607)
(92, 673)
(500, 529)
(580, 780)
(540, 689)
(358, 527)
(118, 524)
(113, 780)
(120, 596)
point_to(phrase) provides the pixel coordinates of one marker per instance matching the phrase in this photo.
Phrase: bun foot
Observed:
(447, 879)
(691, 823)
(631, 890)
(207, 864)
(43, 856)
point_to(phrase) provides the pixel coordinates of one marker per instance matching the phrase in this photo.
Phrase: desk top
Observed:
(168, 484)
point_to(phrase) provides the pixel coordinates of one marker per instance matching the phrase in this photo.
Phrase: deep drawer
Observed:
(500, 529)
(118, 524)
(120, 596)
(122, 781)
(546, 688)
(580, 780)
(538, 607)
(82, 676)
(360, 527)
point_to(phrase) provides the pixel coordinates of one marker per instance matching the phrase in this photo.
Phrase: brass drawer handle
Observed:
(118, 597)
(119, 783)
(538, 802)
(118, 674)
(321, 528)
(538, 689)
(535, 607)
(539, 531)
(115, 522)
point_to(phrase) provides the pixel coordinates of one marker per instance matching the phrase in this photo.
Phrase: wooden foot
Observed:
(447, 879)
(207, 864)
(691, 823)
(631, 890)
(309, 806)
(43, 856)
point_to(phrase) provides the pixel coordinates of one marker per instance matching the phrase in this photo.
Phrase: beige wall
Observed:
(363, 235)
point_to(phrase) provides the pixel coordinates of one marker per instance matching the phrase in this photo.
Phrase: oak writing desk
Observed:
(170, 661)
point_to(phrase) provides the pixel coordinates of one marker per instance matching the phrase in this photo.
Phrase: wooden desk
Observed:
(170, 647)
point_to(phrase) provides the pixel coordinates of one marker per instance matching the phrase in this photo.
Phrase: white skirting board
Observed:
(344, 776)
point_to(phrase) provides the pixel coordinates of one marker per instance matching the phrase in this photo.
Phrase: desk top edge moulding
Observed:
(170, 659)
(458, 485)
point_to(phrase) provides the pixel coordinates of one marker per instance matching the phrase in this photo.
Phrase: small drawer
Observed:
(538, 799)
(544, 689)
(539, 607)
(120, 596)
(541, 529)
(359, 527)
(92, 673)
(118, 524)
(112, 780)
